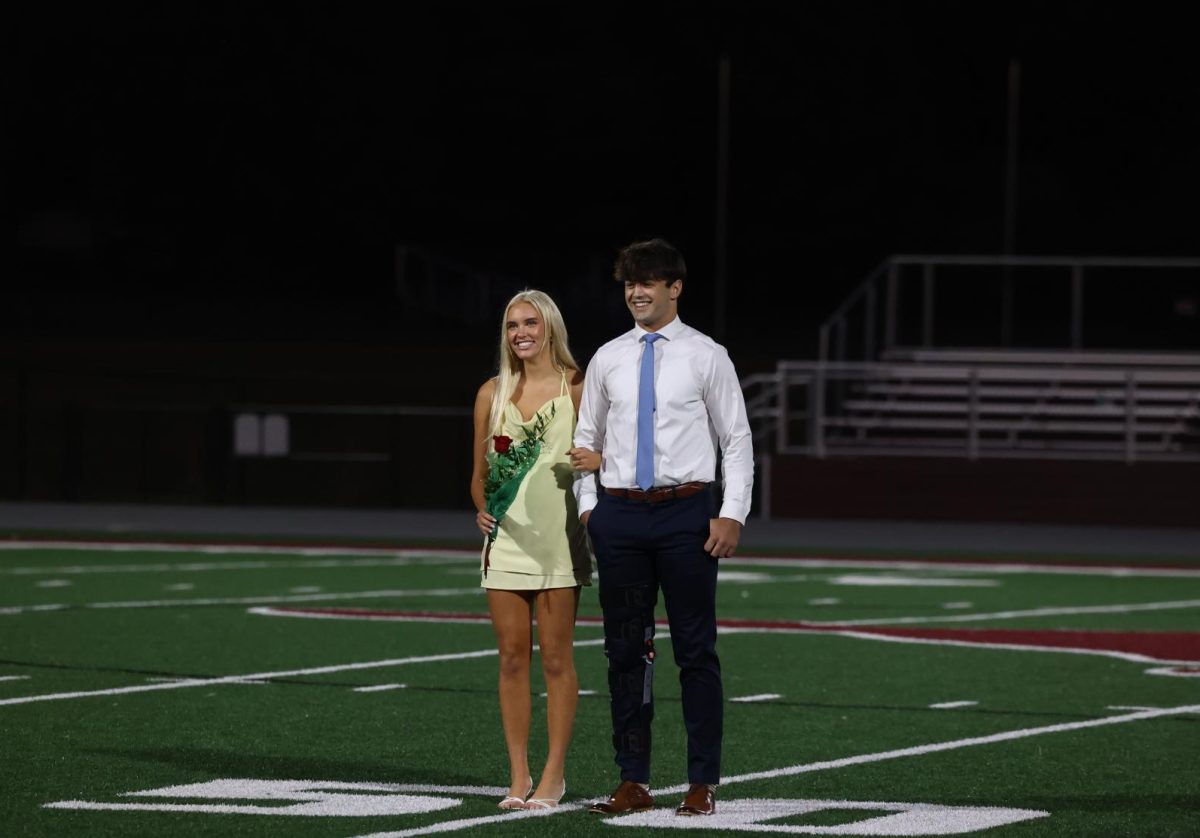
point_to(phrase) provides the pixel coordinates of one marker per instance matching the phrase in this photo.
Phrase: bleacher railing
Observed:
(1035, 410)
(1047, 301)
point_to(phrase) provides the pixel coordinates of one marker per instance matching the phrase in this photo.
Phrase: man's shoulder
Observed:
(701, 341)
(618, 343)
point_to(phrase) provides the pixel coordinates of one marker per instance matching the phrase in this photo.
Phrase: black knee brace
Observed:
(629, 640)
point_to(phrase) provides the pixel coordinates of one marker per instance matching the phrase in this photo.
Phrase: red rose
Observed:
(501, 443)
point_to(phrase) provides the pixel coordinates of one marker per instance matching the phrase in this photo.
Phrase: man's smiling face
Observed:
(653, 301)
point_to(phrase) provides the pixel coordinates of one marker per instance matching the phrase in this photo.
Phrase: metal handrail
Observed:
(880, 306)
(1137, 406)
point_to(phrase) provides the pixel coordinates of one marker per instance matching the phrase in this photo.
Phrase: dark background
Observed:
(206, 200)
(166, 156)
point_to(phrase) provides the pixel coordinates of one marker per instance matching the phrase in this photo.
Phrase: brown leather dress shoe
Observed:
(629, 797)
(701, 800)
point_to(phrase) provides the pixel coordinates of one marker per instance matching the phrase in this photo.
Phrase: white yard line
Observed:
(224, 548)
(32, 609)
(1049, 611)
(1184, 670)
(251, 600)
(264, 676)
(953, 705)
(750, 699)
(953, 745)
(826, 765)
(380, 688)
(199, 567)
(256, 676)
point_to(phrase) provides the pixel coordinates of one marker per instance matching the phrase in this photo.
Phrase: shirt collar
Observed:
(670, 331)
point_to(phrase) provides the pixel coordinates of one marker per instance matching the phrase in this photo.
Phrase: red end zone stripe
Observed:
(1160, 645)
(1156, 645)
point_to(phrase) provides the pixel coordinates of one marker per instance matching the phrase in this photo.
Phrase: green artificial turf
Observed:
(134, 618)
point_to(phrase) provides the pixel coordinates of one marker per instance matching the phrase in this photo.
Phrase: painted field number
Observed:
(314, 799)
(900, 818)
(325, 799)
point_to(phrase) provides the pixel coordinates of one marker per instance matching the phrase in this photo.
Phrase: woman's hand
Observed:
(485, 522)
(584, 459)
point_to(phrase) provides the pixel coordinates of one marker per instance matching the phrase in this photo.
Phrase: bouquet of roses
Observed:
(508, 464)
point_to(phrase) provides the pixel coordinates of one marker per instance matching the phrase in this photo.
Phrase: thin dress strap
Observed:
(564, 390)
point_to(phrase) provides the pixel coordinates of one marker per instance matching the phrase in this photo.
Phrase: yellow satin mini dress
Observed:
(540, 543)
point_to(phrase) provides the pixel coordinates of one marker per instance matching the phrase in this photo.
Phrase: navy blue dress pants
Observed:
(642, 548)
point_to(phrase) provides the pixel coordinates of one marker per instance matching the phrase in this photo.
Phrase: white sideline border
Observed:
(450, 554)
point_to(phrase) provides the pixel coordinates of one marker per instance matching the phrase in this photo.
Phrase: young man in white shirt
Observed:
(661, 402)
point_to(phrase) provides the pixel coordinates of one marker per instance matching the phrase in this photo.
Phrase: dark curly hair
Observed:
(648, 260)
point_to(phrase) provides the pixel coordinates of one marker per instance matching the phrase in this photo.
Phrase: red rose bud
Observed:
(501, 443)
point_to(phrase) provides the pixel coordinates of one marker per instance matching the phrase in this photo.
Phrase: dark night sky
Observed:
(161, 155)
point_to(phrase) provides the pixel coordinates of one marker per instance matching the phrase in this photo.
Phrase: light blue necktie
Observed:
(645, 422)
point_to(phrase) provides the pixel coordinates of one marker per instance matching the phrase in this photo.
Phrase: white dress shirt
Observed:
(700, 407)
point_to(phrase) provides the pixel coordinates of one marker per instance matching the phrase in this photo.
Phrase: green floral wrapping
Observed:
(508, 463)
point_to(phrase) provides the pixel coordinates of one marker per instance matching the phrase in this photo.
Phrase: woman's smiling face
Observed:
(526, 331)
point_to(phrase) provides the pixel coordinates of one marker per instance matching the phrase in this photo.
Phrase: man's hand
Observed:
(584, 518)
(723, 535)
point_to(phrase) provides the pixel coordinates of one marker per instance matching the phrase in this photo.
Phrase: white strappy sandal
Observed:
(546, 802)
(512, 802)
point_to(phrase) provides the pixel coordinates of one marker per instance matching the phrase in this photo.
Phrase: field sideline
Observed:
(195, 685)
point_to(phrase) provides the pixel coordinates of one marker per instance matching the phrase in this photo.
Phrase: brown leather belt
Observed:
(660, 493)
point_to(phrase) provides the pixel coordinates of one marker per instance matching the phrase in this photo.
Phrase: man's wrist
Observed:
(723, 514)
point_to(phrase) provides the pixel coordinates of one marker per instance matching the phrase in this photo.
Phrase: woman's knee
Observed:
(557, 663)
(514, 661)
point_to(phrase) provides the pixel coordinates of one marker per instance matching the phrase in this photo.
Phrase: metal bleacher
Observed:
(976, 402)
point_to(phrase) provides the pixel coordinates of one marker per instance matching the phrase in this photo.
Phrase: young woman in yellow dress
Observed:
(540, 556)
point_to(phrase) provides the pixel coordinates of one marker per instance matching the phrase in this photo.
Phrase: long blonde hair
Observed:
(511, 367)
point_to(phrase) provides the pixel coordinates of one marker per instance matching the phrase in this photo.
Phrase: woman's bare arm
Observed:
(479, 465)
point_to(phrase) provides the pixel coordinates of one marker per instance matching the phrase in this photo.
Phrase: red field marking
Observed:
(1170, 647)
(1155, 645)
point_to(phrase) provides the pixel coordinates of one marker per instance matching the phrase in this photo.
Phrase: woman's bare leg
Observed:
(512, 614)
(556, 609)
